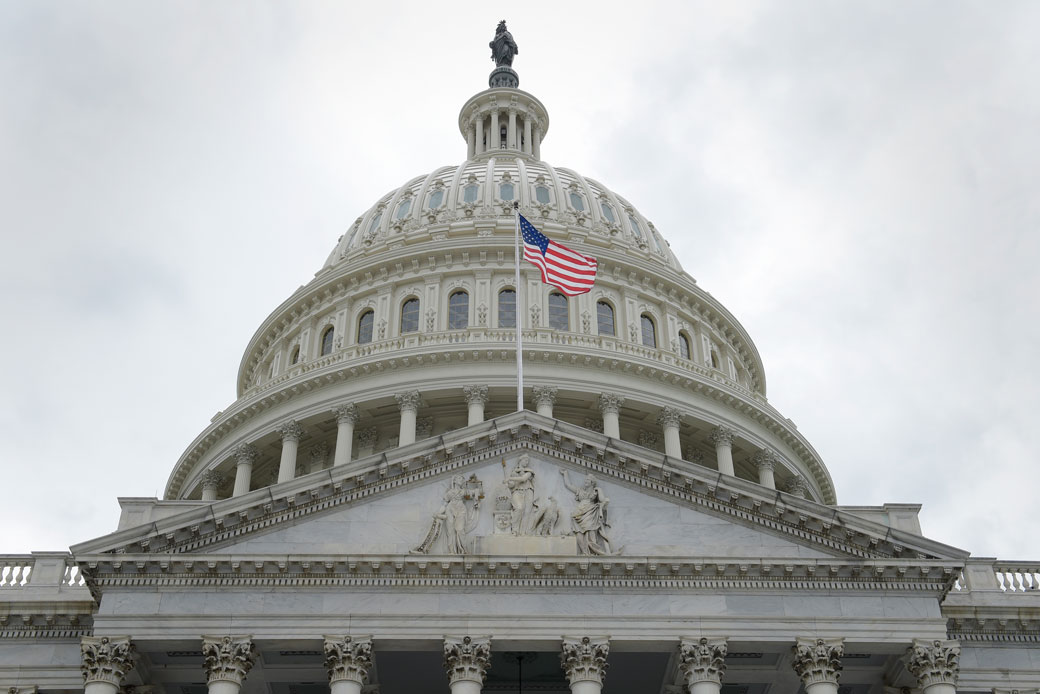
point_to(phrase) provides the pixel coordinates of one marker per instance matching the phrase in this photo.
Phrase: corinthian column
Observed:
(765, 461)
(476, 398)
(346, 418)
(584, 661)
(722, 437)
(818, 663)
(935, 664)
(669, 419)
(466, 661)
(105, 663)
(348, 661)
(291, 433)
(244, 457)
(409, 403)
(211, 479)
(544, 399)
(227, 660)
(703, 662)
(610, 405)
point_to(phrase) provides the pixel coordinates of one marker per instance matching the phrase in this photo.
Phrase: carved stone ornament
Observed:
(457, 516)
(431, 320)
(818, 660)
(348, 658)
(367, 437)
(669, 417)
(765, 460)
(610, 403)
(703, 660)
(648, 439)
(585, 659)
(482, 314)
(211, 479)
(423, 427)
(544, 395)
(467, 659)
(319, 454)
(228, 658)
(409, 400)
(475, 394)
(594, 425)
(290, 431)
(245, 453)
(721, 436)
(797, 486)
(106, 659)
(536, 316)
(934, 661)
(347, 412)
(586, 322)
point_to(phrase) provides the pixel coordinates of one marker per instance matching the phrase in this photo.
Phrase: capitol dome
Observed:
(409, 327)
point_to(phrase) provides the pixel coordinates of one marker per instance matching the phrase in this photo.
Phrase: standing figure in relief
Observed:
(589, 519)
(521, 486)
(455, 519)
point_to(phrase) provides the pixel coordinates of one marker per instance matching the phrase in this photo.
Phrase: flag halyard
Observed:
(567, 270)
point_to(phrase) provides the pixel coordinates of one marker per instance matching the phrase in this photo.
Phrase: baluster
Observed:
(1020, 584)
(4, 572)
(16, 575)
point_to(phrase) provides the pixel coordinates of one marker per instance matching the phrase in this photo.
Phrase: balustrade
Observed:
(15, 570)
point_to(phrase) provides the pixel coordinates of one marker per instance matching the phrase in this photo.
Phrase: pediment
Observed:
(385, 505)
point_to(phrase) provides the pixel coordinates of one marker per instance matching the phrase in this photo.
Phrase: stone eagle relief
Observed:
(523, 521)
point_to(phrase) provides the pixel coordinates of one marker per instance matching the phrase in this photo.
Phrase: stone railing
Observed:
(20, 570)
(15, 570)
(994, 574)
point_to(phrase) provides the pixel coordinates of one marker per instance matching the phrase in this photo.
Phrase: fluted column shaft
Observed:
(527, 135)
(536, 143)
(765, 461)
(476, 398)
(291, 433)
(244, 457)
(669, 419)
(511, 131)
(936, 665)
(495, 139)
(610, 406)
(346, 418)
(723, 440)
(471, 147)
(409, 404)
(478, 135)
(105, 662)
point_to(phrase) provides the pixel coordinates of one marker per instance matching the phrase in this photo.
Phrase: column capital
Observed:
(669, 416)
(702, 660)
(211, 478)
(348, 658)
(347, 412)
(544, 395)
(290, 431)
(721, 436)
(466, 659)
(228, 658)
(934, 661)
(818, 660)
(409, 400)
(584, 659)
(475, 395)
(106, 659)
(797, 485)
(610, 403)
(765, 459)
(245, 453)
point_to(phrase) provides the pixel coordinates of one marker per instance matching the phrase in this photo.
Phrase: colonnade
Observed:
(476, 398)
(485, 133)
(584, 659)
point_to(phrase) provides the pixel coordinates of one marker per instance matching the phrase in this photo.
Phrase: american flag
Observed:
(569, 271)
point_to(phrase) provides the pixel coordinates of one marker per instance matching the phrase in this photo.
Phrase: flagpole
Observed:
(519, 314)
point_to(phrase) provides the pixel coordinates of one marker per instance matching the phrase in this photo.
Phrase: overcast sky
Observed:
(859, 183)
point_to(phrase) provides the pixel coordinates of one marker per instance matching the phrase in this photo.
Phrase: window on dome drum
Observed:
(558, 315)
(649, 330)
(635, 227)
(608, 213)
(714, 358)
(469, 193)
(684, 346)
(505, 192)
(577, 203)
(458, 311)
(295, 357)
(541, 194)
(507, 308)
(326, 340)
(605, 318)
(365, 323)
(403, 208)
(410, 316)
(375, 223)
(436, 198)
(657, 242)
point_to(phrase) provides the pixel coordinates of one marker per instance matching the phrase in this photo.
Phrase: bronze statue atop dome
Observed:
(503, 47)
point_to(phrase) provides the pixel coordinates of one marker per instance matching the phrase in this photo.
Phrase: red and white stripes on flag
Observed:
(569, 271)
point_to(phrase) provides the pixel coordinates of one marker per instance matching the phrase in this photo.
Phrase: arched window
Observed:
(605, 318)
(326, 340)
(507, 308)
(410, 316)
(458, 310)
(649, 331)
(364, 328)
(294, 358)
(505, 191)
(558, 316)
(541, 194)
(684, 346)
